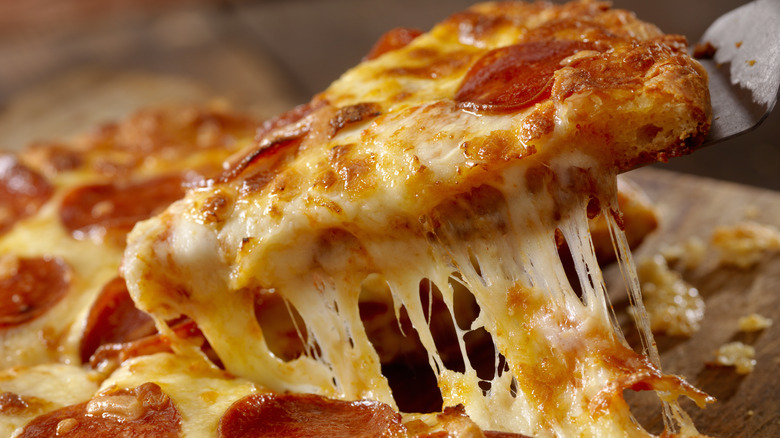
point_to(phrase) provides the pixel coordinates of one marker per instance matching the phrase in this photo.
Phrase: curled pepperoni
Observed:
(510, 78)
(112, 354)
(273, 139)
(114, 319)
(308, 415)
(145, 411)
(356, 113)
(288, 118)
(29, 287)
(94, 211)
(392, 40)
(22, 191)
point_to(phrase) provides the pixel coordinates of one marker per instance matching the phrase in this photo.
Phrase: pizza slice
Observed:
(451, 163)
(105, 335)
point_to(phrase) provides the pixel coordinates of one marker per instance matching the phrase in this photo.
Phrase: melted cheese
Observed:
(56, 337)
(149, 144)
(509, 262)
(43, 388)
(424, 191)
(200, 391)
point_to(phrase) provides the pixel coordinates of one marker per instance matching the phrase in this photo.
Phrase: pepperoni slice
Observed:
(112, 354)
(145, 411)
(392, 40)
(94, 211)
(29, 287)
(272, 139)
(288, 118)
(308, 415)
(513, 77)
(114, 319)
(356, 113)
(22, 191)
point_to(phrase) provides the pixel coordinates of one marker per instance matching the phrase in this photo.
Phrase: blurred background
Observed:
(66, 65)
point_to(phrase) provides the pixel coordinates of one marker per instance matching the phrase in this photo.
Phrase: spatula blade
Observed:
(745, 70)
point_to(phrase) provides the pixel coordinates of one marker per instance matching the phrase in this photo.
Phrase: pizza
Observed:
(408, 254)
(66, 209)
(58, 341)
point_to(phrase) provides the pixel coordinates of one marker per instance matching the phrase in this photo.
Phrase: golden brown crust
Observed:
(633, 77)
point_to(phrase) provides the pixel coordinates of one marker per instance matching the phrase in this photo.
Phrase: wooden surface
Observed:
(747, 405)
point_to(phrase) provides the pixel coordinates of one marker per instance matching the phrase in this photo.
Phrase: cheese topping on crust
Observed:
(457, 161)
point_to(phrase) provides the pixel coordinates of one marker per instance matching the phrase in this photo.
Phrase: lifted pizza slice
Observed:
(453, 163)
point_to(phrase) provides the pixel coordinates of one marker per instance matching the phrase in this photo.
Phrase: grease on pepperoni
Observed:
(393, 39)
(114, 318)
(29, 287)
(22, 191)
(145, 411)
(308, 415)
(513, 77)
(95, 211)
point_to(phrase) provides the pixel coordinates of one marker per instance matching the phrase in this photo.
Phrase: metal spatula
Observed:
(745, 71)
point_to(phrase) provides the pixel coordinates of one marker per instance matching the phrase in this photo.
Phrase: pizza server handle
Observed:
(745, 69)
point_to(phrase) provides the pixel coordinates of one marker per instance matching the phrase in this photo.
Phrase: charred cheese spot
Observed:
(353, 170)
(216, 207)
(283, 187)
(539, 123)
(326, 179)
(496, 146)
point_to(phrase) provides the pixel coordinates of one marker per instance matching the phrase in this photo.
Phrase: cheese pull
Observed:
(417, 175)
